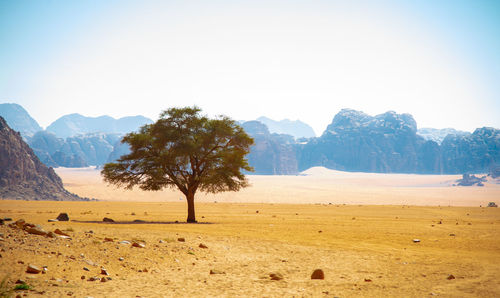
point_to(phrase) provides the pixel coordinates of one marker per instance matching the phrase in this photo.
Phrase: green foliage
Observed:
(22, 287)
(184, 150)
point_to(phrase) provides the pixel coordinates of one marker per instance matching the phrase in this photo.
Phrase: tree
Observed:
(184, 150)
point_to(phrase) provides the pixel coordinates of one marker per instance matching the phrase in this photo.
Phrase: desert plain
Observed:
(360, 229)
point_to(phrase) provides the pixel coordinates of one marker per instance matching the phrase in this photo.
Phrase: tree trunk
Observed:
(190, 200)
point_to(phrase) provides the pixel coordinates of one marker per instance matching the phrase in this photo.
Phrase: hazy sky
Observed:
(438, 60)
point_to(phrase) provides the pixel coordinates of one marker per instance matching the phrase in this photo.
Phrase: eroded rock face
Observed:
(22, 175)
(271, 154)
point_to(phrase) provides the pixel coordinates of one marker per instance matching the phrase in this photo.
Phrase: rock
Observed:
(7, 219)
(107, 219)
(120, 259)
(1, 222)
(368, 280)
(103, 279)
(450, 277)
(202, 245)
(181, 239)
(37, 231)
(86, 269)
(20, 282)
(33, 269)
(452, 234)
(107, 239)
(63, 217)
(276, 276)
(318, 274)
(138, 244)
(20, 223)
(124, 242)
(52, 220)
(492, 204)
(59, 232)
(104, 271)
(214, 271)
(93, 278)
(416, 240)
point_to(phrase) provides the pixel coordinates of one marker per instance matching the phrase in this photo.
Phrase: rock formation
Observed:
(19, 119)
(297, 128)
(271, 154)
(22, 175)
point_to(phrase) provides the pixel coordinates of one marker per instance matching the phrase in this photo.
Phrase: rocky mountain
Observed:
(19, 119)
(438, 135)
(389, 143)
(297, 128)
(22, 175)
(473, 153)
(271, 154)
(76, 124)
(80, 151)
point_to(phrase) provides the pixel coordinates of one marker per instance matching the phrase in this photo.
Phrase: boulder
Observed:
(318, 274)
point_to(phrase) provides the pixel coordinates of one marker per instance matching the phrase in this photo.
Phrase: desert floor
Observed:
(365, 250)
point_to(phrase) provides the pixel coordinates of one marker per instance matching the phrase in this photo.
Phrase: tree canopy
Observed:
(184, 150)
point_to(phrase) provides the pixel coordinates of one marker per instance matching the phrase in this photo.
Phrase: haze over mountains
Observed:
(354, 141)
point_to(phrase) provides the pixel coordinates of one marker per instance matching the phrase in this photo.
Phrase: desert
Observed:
(360, 229)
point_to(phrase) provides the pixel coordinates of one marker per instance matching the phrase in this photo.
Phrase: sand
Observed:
(317, 185)
(365, 250)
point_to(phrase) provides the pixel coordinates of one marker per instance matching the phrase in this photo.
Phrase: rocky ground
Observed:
(249, 250)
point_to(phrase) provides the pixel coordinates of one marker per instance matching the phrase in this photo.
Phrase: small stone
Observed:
(83, 277)
(107, 239)
(104, 271)
(161, 241)
(276, 276)
(121, 259)
(416, 240)
(93, 278)
(103, 279)
(124, 242)
(59, 232)
(138, 244)
(318, 274)
(86, 269)
(36, 231)
(51, 235)
(7, 219)
(202, 245)
(33, 269)
(107, 219)
(368, 280)
(63, 217)
(20, 282)
(452, 234)
(450, 277)
(214, 271)
(52, 220)
(19, 223)
(181, 239)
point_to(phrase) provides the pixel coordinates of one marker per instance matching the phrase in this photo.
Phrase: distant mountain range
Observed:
(297, 128)
(354, 141)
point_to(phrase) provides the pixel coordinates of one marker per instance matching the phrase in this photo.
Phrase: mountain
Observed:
(271, 154)
(438, 135)
(386, 143)
(22, 175)
(472, 153)
(79, 151)
(19, 119)
(76, 124)
(297, 128)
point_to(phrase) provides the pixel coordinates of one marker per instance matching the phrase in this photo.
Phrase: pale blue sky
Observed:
(438, 60)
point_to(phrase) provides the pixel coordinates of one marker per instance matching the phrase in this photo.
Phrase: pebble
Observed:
(124, 242)
(63, 217)
(33, 269)
(121, 259)
(138, 244)
(181, 239)
(214, 271)
(107, 239)
(276, 276)
(450, 277)
(52, 220)
(59, 232)
(202, 245)
(36, 231)
(86, 269)
(104, 271)
(416, 240)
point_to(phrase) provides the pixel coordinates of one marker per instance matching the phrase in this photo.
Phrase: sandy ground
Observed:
(299, 224)
(317, 185)
(364, 251)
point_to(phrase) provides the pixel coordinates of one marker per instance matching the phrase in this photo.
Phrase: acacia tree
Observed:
(184, 150)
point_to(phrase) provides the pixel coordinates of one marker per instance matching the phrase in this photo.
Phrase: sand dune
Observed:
(316, 185)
